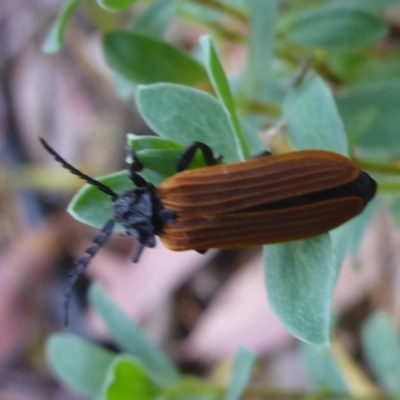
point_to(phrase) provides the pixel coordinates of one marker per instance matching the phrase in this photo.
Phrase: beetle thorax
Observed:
(134, 211)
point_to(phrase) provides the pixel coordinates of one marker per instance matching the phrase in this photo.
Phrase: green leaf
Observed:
(300, 277)
(199, 12)
(139, 143)
(186, 115)
(80, 365)
(381, 346)
(360, 124)
(256, 146)
(370, 5)
(54, 39)
(155, 19)
(127, 380)
(189, 388)
(123, 87)
(337, 27)
(359, 225)
(382, 101)
(212, 12)
(95, 208)
(263, 16)
(160, 155)
(115, 5)
(372, 72)
(322, 370)
(131, 338)
(395, 210)
(142, 59)
(340, 242)
(241, 374)
(346, 63)
(163, 162)
(220, 84)
(313, 121)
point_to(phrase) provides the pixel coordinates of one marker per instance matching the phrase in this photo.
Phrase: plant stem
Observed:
(377, 167)
(262, 393)
(233, 12)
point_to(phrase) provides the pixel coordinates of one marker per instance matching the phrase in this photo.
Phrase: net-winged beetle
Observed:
(268, 199)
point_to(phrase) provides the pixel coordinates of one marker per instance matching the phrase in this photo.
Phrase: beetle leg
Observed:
(201, 251)
(135, 167)
(137, 252)
(187, 156)
(83, 263)
(264, 153)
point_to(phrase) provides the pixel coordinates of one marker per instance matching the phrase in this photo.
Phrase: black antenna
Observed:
(105, 189)
(83, 263)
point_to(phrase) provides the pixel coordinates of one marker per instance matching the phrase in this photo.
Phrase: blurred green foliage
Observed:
(347, 103)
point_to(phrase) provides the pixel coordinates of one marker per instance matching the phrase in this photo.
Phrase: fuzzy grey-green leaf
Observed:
(80, 365)
(322, 369)
(95, 208)
(155, 19)
(130, 337)
(185, 115)
(382, 101)
(115, 5)
(381, 344)
(54, 39)
(220, 84)
(241, 374)
(340, 26)
(312, 118)
(262, 23)
(300, 277)
(143, 59)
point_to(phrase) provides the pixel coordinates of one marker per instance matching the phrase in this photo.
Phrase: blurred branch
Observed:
(254, 107)
(217, 29)
(388, 187)
(357, 381)
(270, 394)
(377, 167)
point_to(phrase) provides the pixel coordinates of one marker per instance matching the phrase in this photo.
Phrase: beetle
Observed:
(268, 199)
